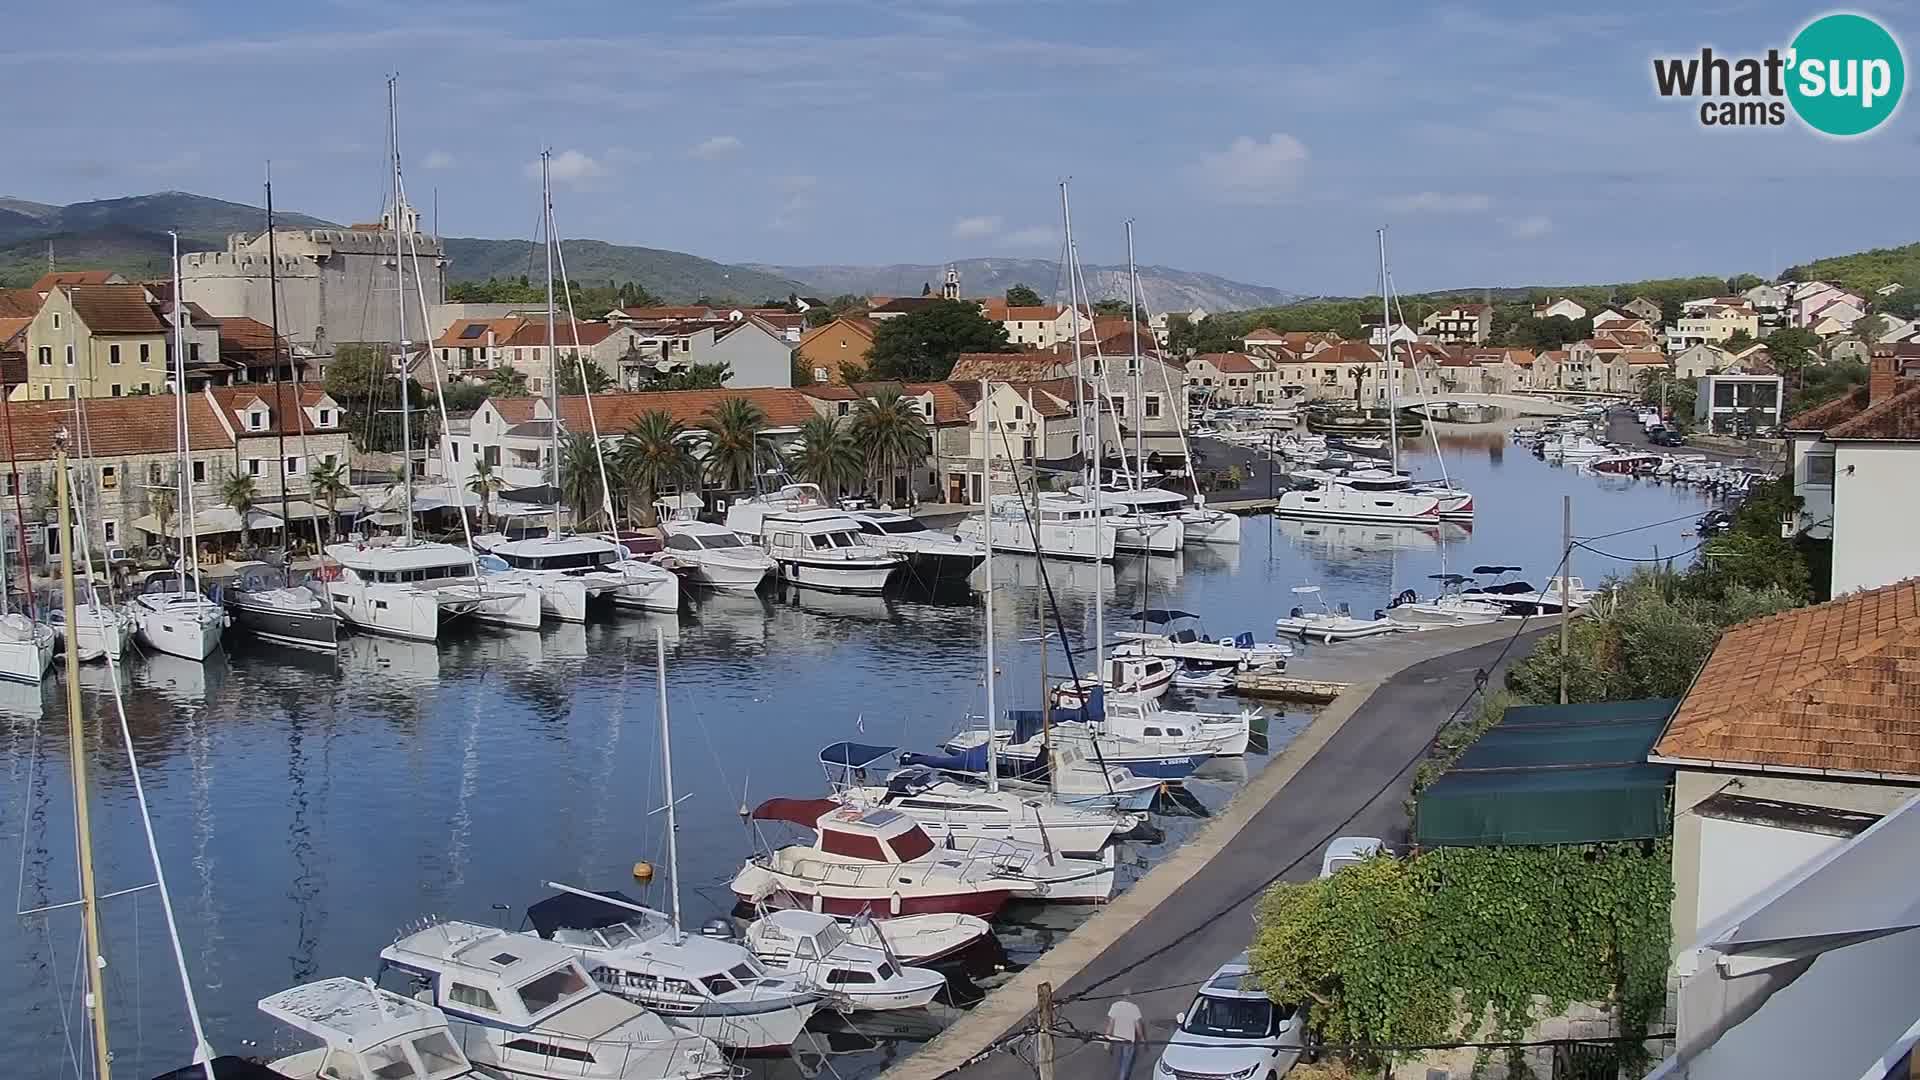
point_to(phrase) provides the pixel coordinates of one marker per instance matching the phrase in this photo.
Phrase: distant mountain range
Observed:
(673, 275)
(1166, 289)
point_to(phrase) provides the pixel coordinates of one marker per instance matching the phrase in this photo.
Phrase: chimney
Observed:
(490, 341)
(1882, 374)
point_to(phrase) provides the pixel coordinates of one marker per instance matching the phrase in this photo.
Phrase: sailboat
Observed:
(408, 587)
(26, 644)
(571, 569)
(183, 622)
(1456, 504)
(286, 613)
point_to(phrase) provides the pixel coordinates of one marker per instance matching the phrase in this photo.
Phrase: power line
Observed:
(1633, 559)
(1640, 528)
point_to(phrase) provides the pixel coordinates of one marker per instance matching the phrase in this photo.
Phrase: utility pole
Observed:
(1043, 1038)
(1566, 570)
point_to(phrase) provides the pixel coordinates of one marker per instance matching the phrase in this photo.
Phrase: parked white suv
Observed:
(1233, 1031)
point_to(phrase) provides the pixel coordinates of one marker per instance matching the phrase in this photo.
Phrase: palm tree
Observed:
(506, 382)
(580, 476)
(238, 491)
(485, 483)
(891, 436)
(827, 455)
(597, 380)
(328, 480)
(733, 442)
(651, 455)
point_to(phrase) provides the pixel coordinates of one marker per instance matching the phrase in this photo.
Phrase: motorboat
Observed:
(100, 629)
(1030, 739)
(919, 939)
(365, 1033)
(179, 623)
(288, 614)
(1065, 773)
(821, 951)
(700, 984)
(526, 1007)
(946, 805)
(934, 559)
(1572, 448)
(26, 648)
(746, 516)
(572, 571)
(1145, 676)
(715, 556)
(1522, 600)
(1627, 464)
(408, 588)
(1446, 608)
(1338, 502)
(1331, 624)
(1135, 717)
(822, 548)
(1060, 527)
(870, 861)
(1180, 637)
(1190, 677)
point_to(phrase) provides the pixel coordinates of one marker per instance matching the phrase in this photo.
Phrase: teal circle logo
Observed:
(1846, 75)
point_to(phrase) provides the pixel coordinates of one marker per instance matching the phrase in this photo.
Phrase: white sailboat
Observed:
(184, 622)
(26, 644)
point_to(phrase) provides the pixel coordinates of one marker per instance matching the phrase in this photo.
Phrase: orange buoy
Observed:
(643, 870)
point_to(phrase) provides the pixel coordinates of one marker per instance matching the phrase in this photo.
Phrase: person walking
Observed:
(1125, 1030)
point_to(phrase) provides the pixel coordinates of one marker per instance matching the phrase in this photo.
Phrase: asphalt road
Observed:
(1363, 772)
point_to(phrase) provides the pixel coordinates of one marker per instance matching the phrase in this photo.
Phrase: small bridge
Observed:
(1518, 404)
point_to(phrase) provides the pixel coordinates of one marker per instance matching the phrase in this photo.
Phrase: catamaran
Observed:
(1060, 526)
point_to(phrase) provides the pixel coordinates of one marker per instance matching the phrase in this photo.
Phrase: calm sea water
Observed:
(308, 809)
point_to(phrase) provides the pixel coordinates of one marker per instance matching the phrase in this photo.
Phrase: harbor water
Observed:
(310, 808)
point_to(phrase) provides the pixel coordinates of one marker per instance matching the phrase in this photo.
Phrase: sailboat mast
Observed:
(77, 755)
(190, 551)
(1133, 318)
(400, 309)
(1393, 377)
(986, 520)
(553, 361)
(279, 402)
(666, 756)
(1093, 455)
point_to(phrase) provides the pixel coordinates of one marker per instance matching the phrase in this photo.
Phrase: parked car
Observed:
(1348, 850)
(1666, 437)
(1233, 1029)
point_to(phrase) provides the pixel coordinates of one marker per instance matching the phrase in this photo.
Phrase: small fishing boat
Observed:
(1330, 624)
(1145, 676)
(1190, 645)
(1065, 773)
(1143, 718)
(1627, 464)
(1447, 608)
(365, 1032)
(1160, 757)
(824, 953)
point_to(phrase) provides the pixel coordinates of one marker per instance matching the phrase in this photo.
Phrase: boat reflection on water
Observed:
(1214, 558)
(1023, 571)
(1341, 540)
(394, 662)
(177, 680)
(23, 700)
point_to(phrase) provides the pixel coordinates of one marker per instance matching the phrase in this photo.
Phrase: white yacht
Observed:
(408, 588)
(823, 549)
(1456, 504)
(284, 613)
(1339, 502)
(699, 984)
(935, 559)
(1135, 717)
(528, 1008)
(26, 648)
(715, 556)
(744, 516)
(820, 950)
(1062, 527)
(365, 1032)
(1446, 608)
(100, 629)
(573, 571)
(184, 624)
(1198, 524)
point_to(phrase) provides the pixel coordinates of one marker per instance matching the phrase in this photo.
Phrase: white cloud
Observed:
(1440, 202)
(437, 159)
(1529, 227)
(1037, 236)
(976, 228)
(569, 167)
(1253, 172)
(714, 146)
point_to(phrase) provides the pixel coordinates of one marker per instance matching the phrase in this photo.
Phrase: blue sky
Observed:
(1260, 140)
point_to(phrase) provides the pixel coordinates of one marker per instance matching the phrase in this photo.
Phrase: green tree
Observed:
(827, 456)
(329, 480)
(651, 455)
(507, 382)
(597, 379)
(1821, 383)
(162, 503)
(819, 316)
(693, 377)
(1792, 349)
(1214, 334)
(891, 436)
(463, 395)
(923, 345)
(1737, 340)
(361, 379)
(485, 483)
(1118, 308)
(1021, 296)
(580, 485)
(1870, 329)
(1552, 333)
(733, 429)
(238, 492)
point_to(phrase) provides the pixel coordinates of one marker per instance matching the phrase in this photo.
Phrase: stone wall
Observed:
(1581, 1020)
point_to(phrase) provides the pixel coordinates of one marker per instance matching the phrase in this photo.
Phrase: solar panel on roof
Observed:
(474, 330)
(504, 959)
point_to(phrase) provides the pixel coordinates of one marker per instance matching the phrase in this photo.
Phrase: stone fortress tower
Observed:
(336, 285)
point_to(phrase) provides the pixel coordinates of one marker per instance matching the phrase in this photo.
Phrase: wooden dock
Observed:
(1243, 506)
(1287, 688)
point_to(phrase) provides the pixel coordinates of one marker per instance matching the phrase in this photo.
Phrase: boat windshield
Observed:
(904, 525)
(556, 987)
(1234, 1017)
(829, 938)
(720, 540)
(824, 541)
(388, 1061)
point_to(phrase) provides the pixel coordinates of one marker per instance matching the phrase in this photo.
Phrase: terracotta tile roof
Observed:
(117, 309)
(1558, 356)
(120, 427)
(688, 312)
(1847, 416)
(906, 305)
(12, 325)
(1051, 398)
(1009, 367)
(279, 401)
(1264, 334)
(951, 401)
(1833, 687)
(859, 324)
(460, 335)
(1043, 313)
(617, 411)
(15, 303)
(515, 410)
(1643, 358)
(1299, 341)
(1231, 363)
(1348, 352)
(51, 281)
(534, 332)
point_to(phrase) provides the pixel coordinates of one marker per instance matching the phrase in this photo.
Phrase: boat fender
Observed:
(894, 903)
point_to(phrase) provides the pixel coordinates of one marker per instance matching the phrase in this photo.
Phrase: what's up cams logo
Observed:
(1843, 75)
